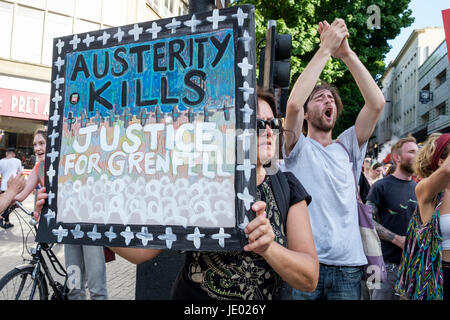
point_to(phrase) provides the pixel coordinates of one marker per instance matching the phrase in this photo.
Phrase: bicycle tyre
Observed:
(21, 279)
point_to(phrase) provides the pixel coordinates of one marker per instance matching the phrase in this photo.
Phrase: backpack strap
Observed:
(281, 192)
(350, 159)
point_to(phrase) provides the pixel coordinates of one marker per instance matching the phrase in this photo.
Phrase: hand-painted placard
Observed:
(151, 134)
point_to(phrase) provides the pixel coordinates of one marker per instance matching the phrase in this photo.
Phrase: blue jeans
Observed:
(335, 283)
(85, 267)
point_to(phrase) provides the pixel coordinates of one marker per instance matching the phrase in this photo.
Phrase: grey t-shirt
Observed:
(326, 174)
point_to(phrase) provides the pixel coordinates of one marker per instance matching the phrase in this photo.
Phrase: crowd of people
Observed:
(307, 236)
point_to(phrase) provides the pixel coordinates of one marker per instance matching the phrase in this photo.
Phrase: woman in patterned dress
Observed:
(424, 272)
(277, 251)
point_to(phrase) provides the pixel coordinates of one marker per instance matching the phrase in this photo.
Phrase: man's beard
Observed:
(407, 167)
(320, 124)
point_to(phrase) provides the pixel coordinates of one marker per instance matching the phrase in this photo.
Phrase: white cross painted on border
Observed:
(119, 34)
(59, 63)
(193, 23)
(243, 225)
(50, 197)
(245, 66)
(169, 237)
(247, 91)
(246, 197)
(60, 233)
(53, 136)
(247, 113)
(57, 98)
(221, 236)
(75, 41)
(111, 235)
(60, 45)
(173, 25)
(240, 16)
(55, 118)
(94, 235)
(247, 168)
(195, 237)
(49, 216)
(128, 235)
(51, 174)
(136, 31)
(245, 137)
(154, 30)
(77, 233)
(144, 236)
(88, 40)
(215, 18)
(53, 155)
(246, 39)
(104, 37)
(58, 81)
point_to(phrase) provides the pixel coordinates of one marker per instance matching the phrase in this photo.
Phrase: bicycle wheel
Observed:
(18, 283)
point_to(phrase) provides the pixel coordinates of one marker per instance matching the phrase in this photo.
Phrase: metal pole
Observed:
(201, 5)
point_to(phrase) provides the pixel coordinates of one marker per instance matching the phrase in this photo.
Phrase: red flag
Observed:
(446, 18)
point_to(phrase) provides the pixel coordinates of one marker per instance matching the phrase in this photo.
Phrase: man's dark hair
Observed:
(337, 100)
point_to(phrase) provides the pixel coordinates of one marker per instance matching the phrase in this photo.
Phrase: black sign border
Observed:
(241, 18)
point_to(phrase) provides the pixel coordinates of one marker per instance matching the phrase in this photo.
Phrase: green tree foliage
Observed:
(301, 17)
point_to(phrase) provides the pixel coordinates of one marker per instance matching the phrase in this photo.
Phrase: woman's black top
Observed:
(238, 274)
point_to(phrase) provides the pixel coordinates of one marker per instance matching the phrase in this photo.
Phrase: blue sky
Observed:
(427, 14)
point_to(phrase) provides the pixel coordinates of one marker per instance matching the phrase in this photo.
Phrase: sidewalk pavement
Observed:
(120, 274)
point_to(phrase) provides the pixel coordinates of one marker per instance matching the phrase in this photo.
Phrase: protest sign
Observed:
(151, 134)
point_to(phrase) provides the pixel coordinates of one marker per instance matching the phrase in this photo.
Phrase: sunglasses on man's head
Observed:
(274, 124)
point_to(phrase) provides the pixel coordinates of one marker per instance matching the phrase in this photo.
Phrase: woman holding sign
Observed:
(280, 241)
(87, 263)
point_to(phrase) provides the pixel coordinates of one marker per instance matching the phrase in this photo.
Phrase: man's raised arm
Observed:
(330, 41)
(373, 97)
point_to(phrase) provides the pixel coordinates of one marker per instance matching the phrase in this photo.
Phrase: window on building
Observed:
(182, 9)
(89, 9)
(27, 41)
(440, 79)
(65, 7)
(33, 3)
(441, 109)
(6, 18)
(81, 26)
(56, 25)
(425, 118)
(114, 12)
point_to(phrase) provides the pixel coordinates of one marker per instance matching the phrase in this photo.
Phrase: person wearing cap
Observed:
(10, 166)
(424, 272)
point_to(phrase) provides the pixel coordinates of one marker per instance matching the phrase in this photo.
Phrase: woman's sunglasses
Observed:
(274, 124)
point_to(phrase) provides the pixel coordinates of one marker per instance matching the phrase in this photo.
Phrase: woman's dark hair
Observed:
(268, 97)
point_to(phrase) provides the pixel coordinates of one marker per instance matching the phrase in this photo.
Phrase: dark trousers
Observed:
(446, 274)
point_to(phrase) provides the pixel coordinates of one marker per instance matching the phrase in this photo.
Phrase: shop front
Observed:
(21, 114)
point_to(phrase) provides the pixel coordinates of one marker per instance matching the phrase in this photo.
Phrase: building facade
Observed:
(434, 92)
(28, 28)
(403, 111)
